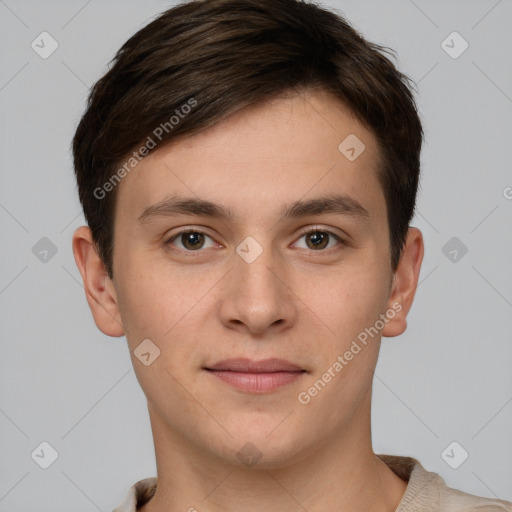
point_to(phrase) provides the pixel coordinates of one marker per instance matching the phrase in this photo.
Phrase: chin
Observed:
(255, 449)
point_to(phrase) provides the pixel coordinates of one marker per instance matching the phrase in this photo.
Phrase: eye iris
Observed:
(192, 240)
(318, 239)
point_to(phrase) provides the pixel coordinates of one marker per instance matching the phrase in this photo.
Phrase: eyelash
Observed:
(168, 243)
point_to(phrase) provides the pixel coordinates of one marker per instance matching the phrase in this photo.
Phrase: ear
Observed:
(405, 281)
(99, 289)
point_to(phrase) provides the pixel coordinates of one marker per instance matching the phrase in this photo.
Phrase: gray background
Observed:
(446, 379)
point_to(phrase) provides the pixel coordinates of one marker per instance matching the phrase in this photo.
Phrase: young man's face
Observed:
(212, 296)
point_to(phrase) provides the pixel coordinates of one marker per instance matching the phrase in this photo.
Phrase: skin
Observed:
(294, 302)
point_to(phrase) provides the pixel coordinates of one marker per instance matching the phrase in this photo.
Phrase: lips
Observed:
(256, 377)
(248, 366)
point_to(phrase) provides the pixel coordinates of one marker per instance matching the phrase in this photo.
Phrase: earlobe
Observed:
(99, 289)
(405, 282)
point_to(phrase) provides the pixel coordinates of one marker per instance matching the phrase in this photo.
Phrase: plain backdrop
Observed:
(447, 379)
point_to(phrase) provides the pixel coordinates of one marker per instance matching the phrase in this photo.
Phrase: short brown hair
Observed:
(229, 54)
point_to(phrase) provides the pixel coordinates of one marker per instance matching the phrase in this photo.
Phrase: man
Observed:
(248, 170)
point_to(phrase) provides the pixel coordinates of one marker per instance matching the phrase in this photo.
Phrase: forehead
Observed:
(262, 157)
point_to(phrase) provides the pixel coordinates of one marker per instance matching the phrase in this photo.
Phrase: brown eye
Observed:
(317, 240)
(191, 241)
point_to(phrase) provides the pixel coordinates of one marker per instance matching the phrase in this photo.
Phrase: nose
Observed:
(257, 297)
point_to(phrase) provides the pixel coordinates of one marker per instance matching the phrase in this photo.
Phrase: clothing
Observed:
(426, 492)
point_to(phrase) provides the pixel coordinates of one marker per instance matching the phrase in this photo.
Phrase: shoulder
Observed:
(427, 491)
(453, 500)
(139, 494)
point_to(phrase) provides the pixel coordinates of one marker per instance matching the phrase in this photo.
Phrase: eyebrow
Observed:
(335, 204)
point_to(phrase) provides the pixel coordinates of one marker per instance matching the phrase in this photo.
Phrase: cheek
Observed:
(151, 297)
(167, 306)
(349, 349)
(350, 300)
(145, 308)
